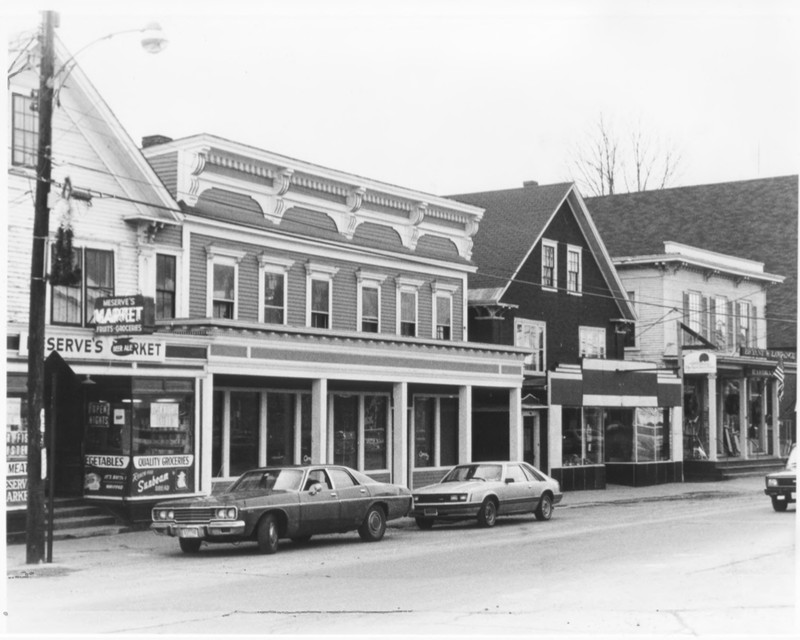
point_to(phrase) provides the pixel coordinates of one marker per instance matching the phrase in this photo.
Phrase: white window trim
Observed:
(541, 325)
(633, 296)
(222, 256)
(571, 248)
(442, 290)
(149, 264)
(408, 285)
(597, 331)
(367, 279)
(554, 245)
(323, 272)
(280, 266)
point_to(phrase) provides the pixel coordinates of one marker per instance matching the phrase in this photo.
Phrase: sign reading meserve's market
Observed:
(124, 315)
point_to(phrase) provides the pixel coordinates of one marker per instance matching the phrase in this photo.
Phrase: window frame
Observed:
(721, 322)
(368, 280)
(360, 429)
(538, 364)
(630, 327)
(574, 250)
(156, 290)
(549, 286)
(444, 291)
(436, 428)
(320, 273)
(272, 265)
(223, 256)
(408, 286)
(29, 157)
(85, 313)
(694, 312)
(746, 339)
(596, 334)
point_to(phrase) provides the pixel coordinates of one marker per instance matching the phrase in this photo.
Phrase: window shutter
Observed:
(704, 319)
(752, 339)
(730, 338)
(686, 308)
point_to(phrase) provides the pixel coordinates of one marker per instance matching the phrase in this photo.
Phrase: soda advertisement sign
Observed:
(105, 475)
(162, 475)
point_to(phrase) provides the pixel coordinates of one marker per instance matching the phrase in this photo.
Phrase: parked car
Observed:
(485, 490)
(782, 485)
(265, 505)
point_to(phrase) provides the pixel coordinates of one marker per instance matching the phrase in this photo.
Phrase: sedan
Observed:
(265, 505)
(485, 490)
(782, 485)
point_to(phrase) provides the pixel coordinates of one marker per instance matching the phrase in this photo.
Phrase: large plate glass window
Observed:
(345, 430)
(592, 342)
(435, 431)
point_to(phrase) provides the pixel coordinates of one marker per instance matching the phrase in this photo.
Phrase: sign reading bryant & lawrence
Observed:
(124, 315)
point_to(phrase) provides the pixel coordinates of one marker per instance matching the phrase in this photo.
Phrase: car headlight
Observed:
(163, 514)
(458, 497)
(772, 482)
(226, 513)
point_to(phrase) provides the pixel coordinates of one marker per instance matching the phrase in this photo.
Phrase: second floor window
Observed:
(574, 270)
(592, 342)
(320, 303)
(370, 303)
(274, 296)
(720, 322)
(444, 313)
(743, 328)
(549, 254)
(24, 132)
(223, 301)
(74, 304)
(630, 327)
(165, 286)
(408, 313)
(694, 312)
(531, 334)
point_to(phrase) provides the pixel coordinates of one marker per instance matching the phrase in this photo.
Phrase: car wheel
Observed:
(301, 539)
(189, 545)
(425, 523)
(267, 534)
(545, 509)
(374, 525)
(779, 505)
(487, 516)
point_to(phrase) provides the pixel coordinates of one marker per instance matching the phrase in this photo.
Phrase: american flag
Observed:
(779, 376)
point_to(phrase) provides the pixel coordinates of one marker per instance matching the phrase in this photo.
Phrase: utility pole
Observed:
(35, 515)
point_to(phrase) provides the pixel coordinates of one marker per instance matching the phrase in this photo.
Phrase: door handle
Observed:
(333, 494)
(363, 491)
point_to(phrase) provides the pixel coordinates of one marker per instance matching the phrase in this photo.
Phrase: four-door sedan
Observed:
(264, 505)
(782, 485)
(484, 490)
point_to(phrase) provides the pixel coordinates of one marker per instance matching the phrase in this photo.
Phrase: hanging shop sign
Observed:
(89, 347)
(699, 361)
(124, 315)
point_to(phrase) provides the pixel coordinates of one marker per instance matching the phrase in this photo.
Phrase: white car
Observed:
(486, 490)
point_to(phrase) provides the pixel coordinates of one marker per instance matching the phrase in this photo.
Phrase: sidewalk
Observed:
(67, 552)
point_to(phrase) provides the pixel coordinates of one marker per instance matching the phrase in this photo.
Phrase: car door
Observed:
(354, 498)
(520, 490)
(319, 504)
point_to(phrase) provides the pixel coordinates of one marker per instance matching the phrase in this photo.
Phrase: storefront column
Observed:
(515, 439)
(554, 438)
(465, 424)
(677, 433)
(744, 418)
(319, 421)
(713, 427)
(205, 436)
(776, 410)
(400, 434)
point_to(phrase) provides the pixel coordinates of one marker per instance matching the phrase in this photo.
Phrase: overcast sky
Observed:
(455, 96)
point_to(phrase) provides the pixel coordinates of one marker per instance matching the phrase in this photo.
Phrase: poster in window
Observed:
(16, 455)
(165, 415)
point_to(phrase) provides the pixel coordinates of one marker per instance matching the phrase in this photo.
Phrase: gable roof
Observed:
(512, 225)
(753, 219)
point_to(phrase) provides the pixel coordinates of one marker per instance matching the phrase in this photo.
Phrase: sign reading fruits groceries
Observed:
(94, 347)
(124, 315)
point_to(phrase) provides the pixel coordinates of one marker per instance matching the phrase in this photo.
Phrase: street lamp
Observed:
(153, 41)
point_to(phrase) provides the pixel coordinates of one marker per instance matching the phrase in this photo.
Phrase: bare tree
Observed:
(602, 164)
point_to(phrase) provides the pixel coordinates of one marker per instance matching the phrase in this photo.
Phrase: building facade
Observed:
(546, 283)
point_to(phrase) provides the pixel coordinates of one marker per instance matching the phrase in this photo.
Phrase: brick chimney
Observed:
(152, 141)
(530, 183)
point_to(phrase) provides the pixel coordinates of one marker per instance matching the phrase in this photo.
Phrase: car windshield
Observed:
(791, 463)
(269, 480)
(461, 473)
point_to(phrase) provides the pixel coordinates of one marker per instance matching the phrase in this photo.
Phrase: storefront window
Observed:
(305, 428)
(448, 427)
(218, 422)
(375, 427)
(280, 428)
(652, 434)
(731, 433)
(593, 435)
(345, 430)
(244, 419)
(619, 435)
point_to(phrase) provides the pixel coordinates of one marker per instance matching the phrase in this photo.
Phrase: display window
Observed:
(435, 431)
(583, 438)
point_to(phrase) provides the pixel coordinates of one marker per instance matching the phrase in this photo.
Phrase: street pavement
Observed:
(72, 553)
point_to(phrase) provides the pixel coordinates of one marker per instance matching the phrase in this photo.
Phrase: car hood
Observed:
(454, 487)
(786, 473)
(223, 499)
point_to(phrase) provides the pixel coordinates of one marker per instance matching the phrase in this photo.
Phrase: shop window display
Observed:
(375, 426)
(345, 430)
(583, 439)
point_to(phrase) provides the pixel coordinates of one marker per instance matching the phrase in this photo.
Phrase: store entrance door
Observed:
(64, 406)
(532, 438)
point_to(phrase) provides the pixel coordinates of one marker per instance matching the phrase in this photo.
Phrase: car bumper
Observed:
(782, 493)
(445, 510)
(200, 531)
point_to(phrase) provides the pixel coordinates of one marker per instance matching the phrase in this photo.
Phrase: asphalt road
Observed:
(714, 565)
